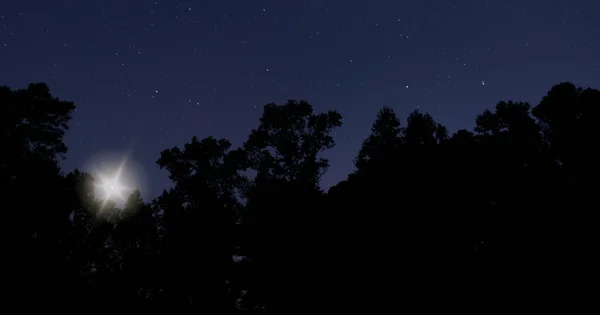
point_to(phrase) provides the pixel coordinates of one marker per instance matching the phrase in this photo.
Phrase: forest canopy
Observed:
(516, 184)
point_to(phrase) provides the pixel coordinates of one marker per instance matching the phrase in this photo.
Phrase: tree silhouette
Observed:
(383, 139)
(567, 117)
(282, 198)
(32, 124)
(249, 230)
(199, 222)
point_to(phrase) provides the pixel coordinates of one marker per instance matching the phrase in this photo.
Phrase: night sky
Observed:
(149, 75)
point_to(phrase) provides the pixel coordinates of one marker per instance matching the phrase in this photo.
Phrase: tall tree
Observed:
(282, 208)
(32, 126)
(199, 221)
(568, 116)
(511, 147)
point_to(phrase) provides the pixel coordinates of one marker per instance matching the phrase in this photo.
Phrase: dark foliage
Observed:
(249, 230)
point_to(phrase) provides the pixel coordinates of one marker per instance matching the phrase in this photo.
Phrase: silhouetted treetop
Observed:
(384, 137)
(207, 176)
(32, 126)
(421, 128)
(33, 121)
(568, 115)
(288, 140)
(208, 159)
(507, 117)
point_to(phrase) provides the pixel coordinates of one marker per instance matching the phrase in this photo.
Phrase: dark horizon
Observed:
(516, 186)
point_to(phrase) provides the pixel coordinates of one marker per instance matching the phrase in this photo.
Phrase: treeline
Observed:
(520, 184)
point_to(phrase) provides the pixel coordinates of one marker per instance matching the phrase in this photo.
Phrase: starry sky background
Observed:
(148, 75)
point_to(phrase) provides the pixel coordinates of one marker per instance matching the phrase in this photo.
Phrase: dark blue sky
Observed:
(149, 75)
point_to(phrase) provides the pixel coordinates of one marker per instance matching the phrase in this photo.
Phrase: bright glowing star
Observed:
(112, 186)
(116, 176)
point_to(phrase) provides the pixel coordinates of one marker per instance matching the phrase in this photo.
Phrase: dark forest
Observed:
(249, 230)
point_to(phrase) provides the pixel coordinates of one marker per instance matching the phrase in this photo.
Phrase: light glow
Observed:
(114, 179)
(112, 186)
(116, 175)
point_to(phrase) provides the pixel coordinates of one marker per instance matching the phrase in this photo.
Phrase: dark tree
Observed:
(32, 125)
(283, 215)
(567, 115)
(199, 218)
(383, 139)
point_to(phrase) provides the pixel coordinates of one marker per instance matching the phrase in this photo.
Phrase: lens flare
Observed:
(116, 176)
